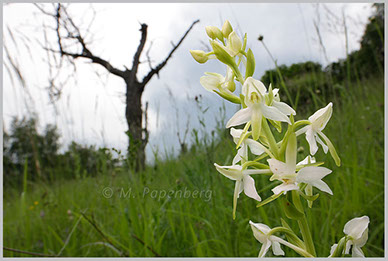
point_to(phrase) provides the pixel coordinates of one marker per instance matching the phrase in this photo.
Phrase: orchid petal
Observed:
(301, 130)
(283, 108)
(211, 81)
(242, 116)
(249, 188)
(347, 246)
(231, 172)
(264, 248)
(276, 249)
(310, 137)
(305, 161)
(357, 252)
(284, 188)
(321, 185)
(252, 85)
(255, 147)
(356, 227)
(332, 249)
(311, 173)
(279, 168)
(362, 240)
(260, 231)
(236, 134)
(321, 117)
(273, 113)
(237, 158)
(237, 190)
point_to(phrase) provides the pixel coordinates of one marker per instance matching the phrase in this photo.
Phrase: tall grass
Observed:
(74, 218)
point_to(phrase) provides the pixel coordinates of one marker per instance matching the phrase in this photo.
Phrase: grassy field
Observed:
(125, 214)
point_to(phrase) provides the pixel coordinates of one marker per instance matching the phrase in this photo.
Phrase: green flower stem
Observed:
(289, 233)
(303, 226)
(300, 123)
(271, 139)
(292, 246)
(284, 142)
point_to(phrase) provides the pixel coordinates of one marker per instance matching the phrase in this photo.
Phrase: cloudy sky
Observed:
(91, 110)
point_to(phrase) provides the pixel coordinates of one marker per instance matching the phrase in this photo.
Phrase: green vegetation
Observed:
(91, 204)
(203, 226)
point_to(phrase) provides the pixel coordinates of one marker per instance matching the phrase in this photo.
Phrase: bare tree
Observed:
(71, 44)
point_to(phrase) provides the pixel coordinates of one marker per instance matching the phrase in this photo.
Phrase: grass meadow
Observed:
(122, 213)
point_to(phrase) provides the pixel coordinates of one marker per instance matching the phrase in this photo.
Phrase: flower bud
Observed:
(213, 32)
(221, 54)
(226, 29)
(231, 85)
(235, 42)
(250, 69)
(199, 55)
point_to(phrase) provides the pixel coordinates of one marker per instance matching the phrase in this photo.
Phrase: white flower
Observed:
(244, 182)
(309, 189)
(254, 92)
(286, 172)
(255, 147)
(357, 235)
(216, 82)
(263, 234)
(357, 231)
(318, 122)
(234, 44)
(260, 232)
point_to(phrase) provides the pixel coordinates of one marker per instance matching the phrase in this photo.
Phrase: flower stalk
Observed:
(288, 178)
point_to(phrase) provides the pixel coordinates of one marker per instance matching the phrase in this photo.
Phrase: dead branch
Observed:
(156, 70)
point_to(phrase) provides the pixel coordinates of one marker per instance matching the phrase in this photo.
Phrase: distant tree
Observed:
(72, 44)
(369, 59)
(23, 144)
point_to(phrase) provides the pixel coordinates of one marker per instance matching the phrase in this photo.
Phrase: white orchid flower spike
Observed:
(262, 233)
(254, 92)
(255, 147)
(357, 231)
(244, 182)
(286, 172)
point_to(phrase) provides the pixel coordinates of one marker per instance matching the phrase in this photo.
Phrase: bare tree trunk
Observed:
(136, 133)
(69, 34)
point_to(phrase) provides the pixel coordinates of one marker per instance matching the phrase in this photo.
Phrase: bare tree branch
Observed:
(136, 57)
(156, 70)
(63, 19)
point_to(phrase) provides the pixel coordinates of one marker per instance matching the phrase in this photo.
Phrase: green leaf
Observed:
(309, 198)
(291, 211)
(268, 200)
